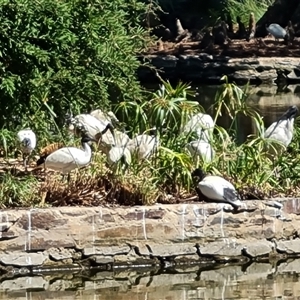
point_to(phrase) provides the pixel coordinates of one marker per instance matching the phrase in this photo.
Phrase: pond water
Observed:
(255, 281)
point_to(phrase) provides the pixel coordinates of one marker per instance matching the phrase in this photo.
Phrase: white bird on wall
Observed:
(282, 130)
(27, 139)
(202, 125)
(200, 150)
(216, 188)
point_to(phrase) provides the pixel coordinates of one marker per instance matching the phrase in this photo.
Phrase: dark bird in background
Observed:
(241, 33)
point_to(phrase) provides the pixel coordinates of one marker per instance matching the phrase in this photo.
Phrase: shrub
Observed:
(60, 55)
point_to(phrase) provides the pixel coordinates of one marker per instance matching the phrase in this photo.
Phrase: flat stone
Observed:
(22, 259)
(225, 247)
(290, 247)
(60, 253)
(22, 283)
(106, 250)
(259, 248)
(165, 250)
(103, 260)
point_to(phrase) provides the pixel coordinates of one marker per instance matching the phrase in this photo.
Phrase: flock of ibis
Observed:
(118, 147)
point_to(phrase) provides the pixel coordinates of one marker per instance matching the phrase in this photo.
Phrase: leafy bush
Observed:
(57, 55)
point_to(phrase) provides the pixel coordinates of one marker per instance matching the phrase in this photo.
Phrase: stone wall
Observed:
(41, 240)
(210, 69)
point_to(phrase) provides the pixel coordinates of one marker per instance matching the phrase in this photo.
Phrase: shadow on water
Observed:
(269, 100)
(252, 281)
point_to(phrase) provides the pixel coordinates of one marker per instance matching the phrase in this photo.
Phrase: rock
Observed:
(60, 253)
(225, 247)
(106, 250)
(290, 247)
(103, 260)
(22, 259)
(166, 250)
(202, 67)
(144, 235)
(21, 283)
(259, 248)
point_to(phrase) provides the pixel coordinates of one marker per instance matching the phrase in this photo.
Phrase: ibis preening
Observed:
(105, 117)
(119, 154)
(200, 150)
(27, 139)
(202, 125)
(282, 130)
(277, 31)
(216, 188)
(144, 145)
(85, 123)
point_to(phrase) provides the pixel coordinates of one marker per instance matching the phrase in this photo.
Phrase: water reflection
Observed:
(254, 281)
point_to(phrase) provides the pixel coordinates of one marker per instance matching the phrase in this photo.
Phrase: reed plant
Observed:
(166, 176)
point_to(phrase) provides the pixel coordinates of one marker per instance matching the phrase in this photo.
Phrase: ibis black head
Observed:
(86, 139)
(68, 117)
(153, 131)
(198, 173)
(290, 113)
(110, 127)
(26, 142)
(41, 160)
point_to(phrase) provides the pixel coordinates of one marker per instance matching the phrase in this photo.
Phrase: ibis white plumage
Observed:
(282, 130)
(216, 188)
(27, 139)
(202, 125)
(105, 117)
(67, 159)
(200, 150)
(144, 145)
(118, 155)
(85, 123)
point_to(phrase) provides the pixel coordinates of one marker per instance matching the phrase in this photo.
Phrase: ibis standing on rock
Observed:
(282, 130)
(216, 188)
(27, 139)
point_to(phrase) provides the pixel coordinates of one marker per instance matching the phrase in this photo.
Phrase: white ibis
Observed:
(216, 188)
(27, 139)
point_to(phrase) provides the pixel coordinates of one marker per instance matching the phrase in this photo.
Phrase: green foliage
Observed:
(256, 171)
(243, 8)
(57, 55)
(17, 191)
